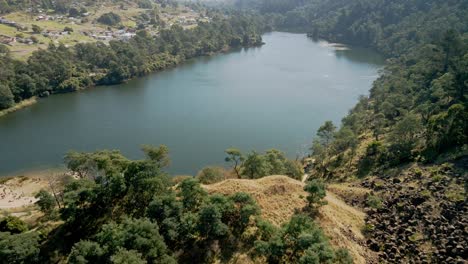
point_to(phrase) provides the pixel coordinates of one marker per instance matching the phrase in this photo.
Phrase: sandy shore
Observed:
(19, 191)
(18, 106)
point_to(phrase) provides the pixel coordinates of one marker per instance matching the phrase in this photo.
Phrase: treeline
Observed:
(122, 211)
(58, 69)
(417, 109)
(390, 26)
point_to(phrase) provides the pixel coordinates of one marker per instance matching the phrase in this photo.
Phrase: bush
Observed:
(36, 29)
(68, 29)
(13, 225)
(316, 190)
(110, 19)
(374, 202)
(19, 248)
(46, 201)
(211, 175)
(145, 4)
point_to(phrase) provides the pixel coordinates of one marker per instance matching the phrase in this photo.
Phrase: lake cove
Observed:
(274, 96)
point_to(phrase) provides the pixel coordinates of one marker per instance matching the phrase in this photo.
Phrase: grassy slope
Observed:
(280, 196)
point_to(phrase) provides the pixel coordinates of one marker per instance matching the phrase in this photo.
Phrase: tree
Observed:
(159, 155)
(316, 190)
(86, 252)
(73, 12)
(326, 133)
(137, 235)
(13, 225)
(110, 19)
(299, 241)
(191, 193)
(235, 156)
(19, 248)
(256, 166)
(124, 256)
(210, 175)
(6, 97)
(46, 201)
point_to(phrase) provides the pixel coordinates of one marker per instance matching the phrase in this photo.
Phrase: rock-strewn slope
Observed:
(423, 217)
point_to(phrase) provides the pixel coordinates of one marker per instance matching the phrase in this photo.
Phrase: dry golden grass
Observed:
(19, 106)
(277, 196)
(342, 224)
(280, 196)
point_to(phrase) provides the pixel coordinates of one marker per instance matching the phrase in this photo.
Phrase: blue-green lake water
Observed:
(274, 96)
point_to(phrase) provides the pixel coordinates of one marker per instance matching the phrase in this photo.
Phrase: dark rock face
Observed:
(420, 220)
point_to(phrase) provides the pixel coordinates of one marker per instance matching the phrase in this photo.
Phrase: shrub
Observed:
(209, 175)
(110, 19)
(13, 225)
(316, 190)
(374, 202)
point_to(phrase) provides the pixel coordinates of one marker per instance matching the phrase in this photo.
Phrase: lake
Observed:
(274, 96)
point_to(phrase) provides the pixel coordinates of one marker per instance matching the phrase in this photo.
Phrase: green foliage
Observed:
(374, 202)
(36, 29)
(13, 225)
(110, 19)
(74, 12)
(139, 235)
(46, 201)
(58, 69)
(298, 241)
(235, 156)
(145, 4)
(210, 175)
(256, 166)
(316, 190)
(19, 248)
(159, 155)
(273, 162)
(124, 256)
(86, 252)
(6, 97)
(191, 193)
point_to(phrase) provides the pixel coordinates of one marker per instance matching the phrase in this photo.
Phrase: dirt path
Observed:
(343, 223)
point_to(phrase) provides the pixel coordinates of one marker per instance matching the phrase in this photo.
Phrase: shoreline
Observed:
(18, 106)
(30, 101)
(18, 190)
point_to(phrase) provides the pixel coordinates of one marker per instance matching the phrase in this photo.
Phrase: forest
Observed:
(131, 211)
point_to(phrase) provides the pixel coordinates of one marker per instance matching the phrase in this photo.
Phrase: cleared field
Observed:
(128, 15)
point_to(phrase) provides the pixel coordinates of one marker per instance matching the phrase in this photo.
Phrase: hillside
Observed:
(279, 197)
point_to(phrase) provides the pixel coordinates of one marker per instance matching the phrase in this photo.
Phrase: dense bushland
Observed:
(117, 210)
